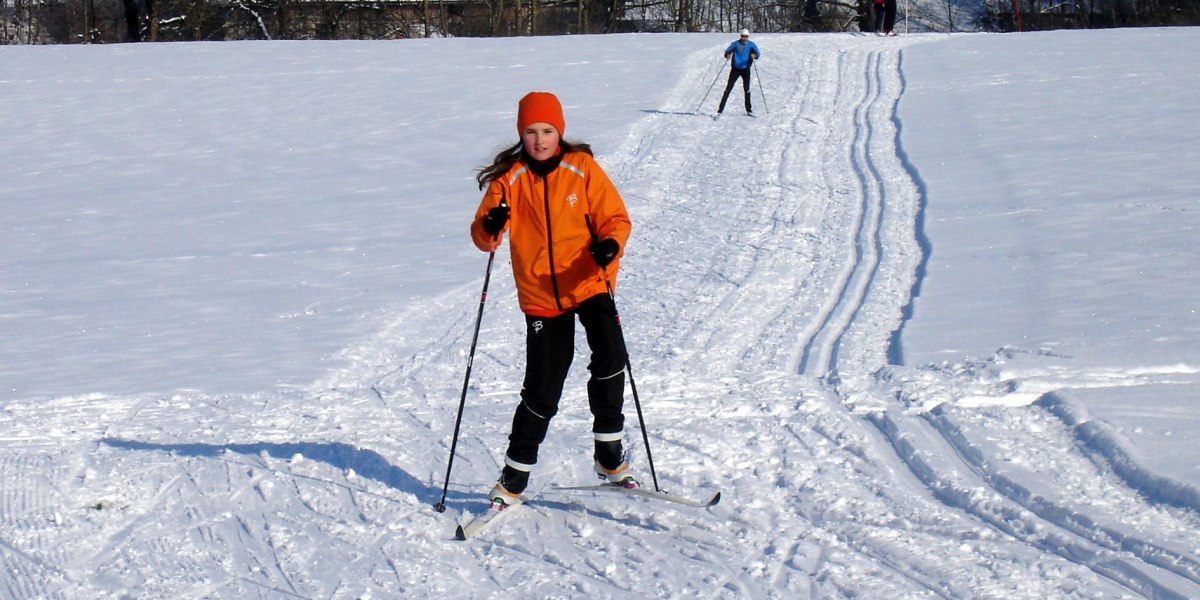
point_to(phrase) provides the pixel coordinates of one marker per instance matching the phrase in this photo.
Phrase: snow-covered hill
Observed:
(927, 320)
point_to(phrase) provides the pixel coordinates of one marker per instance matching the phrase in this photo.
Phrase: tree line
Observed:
(111, 21)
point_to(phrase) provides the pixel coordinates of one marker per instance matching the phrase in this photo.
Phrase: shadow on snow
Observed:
(367, 463)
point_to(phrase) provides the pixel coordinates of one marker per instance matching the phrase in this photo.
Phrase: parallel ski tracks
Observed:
(878, 253)
(1106, 536)
(812, 187)
(963, 479)
(864, 249)
(858, 192)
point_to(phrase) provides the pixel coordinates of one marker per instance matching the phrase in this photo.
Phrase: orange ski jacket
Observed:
(548, 231)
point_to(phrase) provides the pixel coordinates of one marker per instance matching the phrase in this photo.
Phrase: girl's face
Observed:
(541, 141)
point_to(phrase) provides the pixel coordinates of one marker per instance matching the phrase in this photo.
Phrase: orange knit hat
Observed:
(540, 107)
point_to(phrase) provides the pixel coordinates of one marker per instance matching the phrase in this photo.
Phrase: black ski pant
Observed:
(734, 73)
(549, 350)
(889, 19)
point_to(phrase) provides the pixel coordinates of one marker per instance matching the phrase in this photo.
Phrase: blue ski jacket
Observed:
(743, 54)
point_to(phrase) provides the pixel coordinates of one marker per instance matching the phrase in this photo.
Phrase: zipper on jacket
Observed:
(550, 241)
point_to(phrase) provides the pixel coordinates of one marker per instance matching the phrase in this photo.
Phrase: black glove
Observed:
(494, 220)
(604, 251)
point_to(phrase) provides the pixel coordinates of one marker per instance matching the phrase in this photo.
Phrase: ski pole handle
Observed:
(596, 238)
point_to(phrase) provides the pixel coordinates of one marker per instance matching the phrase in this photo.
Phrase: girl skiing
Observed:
(567, 227)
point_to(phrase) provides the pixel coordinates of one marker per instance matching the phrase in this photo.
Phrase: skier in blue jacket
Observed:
(744, 53)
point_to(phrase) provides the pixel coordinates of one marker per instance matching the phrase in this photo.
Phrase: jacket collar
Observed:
(542, 168)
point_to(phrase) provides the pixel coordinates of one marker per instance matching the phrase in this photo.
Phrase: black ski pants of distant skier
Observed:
(734, 73)
(889, 19)
(549, 350)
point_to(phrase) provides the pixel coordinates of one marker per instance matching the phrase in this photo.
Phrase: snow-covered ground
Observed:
(929, 320)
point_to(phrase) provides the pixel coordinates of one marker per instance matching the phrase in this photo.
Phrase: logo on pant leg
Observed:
(537, 326)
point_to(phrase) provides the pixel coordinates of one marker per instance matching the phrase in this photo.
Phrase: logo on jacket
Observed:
(572, 199)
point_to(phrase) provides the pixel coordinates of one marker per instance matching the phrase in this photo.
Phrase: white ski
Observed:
(701, 502)
(481, 522)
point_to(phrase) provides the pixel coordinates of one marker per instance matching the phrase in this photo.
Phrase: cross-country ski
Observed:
(495, 513)
(704, 500)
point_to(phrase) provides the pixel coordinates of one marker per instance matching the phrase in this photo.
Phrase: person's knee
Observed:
(538, 408)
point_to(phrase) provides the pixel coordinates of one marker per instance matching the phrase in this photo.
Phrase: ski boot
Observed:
(609, 452)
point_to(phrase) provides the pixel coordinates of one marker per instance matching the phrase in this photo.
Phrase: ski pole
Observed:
(628, 366)
(462, 401)
(710, 86)
(766, 108)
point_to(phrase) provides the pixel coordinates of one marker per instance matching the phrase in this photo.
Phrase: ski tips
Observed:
(715, 500)
(459, 534)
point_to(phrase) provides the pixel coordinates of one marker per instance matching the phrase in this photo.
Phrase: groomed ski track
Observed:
(823, 177)
(761, 374)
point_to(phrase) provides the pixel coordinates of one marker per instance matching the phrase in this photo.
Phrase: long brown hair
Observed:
(509, 157)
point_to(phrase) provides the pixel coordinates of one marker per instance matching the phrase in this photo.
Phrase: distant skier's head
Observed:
(745, 35)
(540, 124)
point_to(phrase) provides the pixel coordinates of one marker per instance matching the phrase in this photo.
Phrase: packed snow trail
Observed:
(850, 204)
(770, 263)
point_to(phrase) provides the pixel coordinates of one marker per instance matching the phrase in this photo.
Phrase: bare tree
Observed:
(106, 21)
